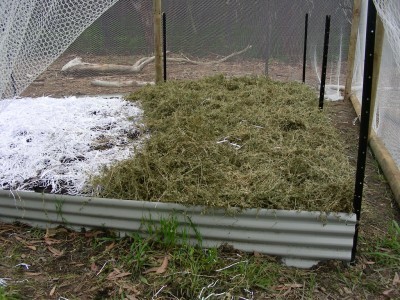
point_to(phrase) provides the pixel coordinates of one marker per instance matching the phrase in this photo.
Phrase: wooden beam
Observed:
(352, 47)
(157, 40)
(382, 155)
(380, 32)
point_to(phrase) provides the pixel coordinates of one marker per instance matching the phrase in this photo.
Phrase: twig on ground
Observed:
(104, 266)
(234, 264)
(159, 291)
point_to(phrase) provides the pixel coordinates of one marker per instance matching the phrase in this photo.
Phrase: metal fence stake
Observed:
(305, 49)
(164, 18)
(365, 115)
(324, 62)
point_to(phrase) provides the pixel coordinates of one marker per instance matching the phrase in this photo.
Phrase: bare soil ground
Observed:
(63, 264)
(53, 83)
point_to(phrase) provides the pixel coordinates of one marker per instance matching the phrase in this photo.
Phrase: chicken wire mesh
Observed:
(34, 33)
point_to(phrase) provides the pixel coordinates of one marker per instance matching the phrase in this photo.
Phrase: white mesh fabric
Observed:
(389, 12)
(386, 118)
(33, 33)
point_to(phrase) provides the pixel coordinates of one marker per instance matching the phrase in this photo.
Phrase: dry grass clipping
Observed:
(242, 142)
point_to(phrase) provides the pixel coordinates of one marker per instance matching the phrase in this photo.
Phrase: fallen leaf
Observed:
(388, 293)
(347, 290)
(18, 238)
(257, 254)
(163, 266)
(32, 273)
(294, 285)
(109, 247)
(52, 291)
(55, 252)
(50, 241)
(79, 265)
(50, 232)
(34, 242)
(93, 233)
(116, 273)
(129, 287)
(94, 267)
(161, 269)
(31, 247)
(396, 279)
(143, 279)
(131, 297)
(123, 274)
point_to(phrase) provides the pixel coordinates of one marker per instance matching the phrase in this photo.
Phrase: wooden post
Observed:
(382, 155)
(380, 32)
(352, 47)
(157, 40)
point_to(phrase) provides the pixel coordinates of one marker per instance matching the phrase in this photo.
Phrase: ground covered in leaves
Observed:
(247, 142)
(63, 264)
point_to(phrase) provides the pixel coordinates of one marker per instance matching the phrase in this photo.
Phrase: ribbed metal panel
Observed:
(301, 238)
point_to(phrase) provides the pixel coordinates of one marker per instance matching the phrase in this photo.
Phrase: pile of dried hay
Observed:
(242, 142)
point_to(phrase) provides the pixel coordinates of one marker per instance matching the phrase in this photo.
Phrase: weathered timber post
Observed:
(380, 32)
(355, 21)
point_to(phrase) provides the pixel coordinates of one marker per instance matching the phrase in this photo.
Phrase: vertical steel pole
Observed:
(157, 39)
(365, 115)
(305, 49)
(164, 18)
(324, 62)
(268, 39)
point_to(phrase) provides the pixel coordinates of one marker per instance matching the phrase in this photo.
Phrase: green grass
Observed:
(242, 142)
(194, 272)
(387, 248)
(8, 294)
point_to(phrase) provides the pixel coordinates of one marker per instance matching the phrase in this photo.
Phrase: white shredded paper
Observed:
(58, 143)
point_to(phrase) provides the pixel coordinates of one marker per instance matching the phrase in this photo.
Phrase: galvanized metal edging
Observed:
(301, 238)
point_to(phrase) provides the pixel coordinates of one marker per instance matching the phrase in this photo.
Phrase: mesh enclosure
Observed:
(386, 118)
(34, 33)
(234, 37)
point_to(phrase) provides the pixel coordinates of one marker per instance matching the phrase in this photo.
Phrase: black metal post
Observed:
(365, 116)
(324, 62)
(13, 83)
(305, 49)
(268, 39)
(164, 18)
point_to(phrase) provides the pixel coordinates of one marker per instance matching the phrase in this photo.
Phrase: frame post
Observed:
(305, 49)
(380, 32)
(365, 115)
(157, 39)
(352, 47)
(324, 61)
(164, 18)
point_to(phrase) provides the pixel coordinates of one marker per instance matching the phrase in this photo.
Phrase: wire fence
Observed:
(234, 37)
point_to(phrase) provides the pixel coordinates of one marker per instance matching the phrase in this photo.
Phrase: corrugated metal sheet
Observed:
(300, 238)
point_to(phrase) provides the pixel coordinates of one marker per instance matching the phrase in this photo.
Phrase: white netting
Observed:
(33, 33)
(58, 143)
(389, 12)
(386, 119)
